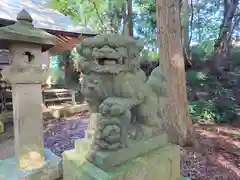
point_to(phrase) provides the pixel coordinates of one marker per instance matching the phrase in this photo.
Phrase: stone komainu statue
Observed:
(125, 103)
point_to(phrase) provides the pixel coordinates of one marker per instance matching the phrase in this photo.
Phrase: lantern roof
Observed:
(23, 31)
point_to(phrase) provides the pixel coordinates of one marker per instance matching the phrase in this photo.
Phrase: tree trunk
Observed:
(184, 16)
(223, 43)
(185, 23)
(178, 124)
(128, 27)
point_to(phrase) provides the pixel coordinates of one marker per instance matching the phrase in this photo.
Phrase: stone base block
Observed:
(1, 127)
(51, 171)
(160, 164)
(185, 178)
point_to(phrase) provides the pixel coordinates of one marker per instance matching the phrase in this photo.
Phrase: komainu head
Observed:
(111, 53)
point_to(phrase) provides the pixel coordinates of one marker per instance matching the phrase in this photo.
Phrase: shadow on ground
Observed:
(218, 156)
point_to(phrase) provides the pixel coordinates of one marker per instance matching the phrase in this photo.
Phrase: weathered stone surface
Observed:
(25, 65)
(28, 125)
(1, 127)
(160, 164)
(9, 169)
(185, 178)
(118, 90)
(109, 160)
(124, 139)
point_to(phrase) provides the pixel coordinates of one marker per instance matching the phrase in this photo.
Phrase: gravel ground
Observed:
(217, 159)
(59, 135)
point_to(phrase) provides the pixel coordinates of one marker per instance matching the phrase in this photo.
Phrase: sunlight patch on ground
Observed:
(227, 164)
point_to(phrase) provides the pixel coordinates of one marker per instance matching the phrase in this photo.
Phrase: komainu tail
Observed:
(157, 81)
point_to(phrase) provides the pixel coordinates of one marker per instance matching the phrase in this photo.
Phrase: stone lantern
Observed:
(25, 73)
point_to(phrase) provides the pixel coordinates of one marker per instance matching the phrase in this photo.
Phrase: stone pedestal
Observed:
(163, 163)
(50, 171)
(28, 125)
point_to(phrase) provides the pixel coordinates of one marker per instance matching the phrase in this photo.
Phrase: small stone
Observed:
(77, 136)
(65, 147)
(50, 141)
(62, 136)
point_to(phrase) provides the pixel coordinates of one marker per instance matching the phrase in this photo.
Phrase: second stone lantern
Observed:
(25, 73)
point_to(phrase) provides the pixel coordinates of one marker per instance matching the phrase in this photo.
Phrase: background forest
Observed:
(210, 42)
(209, 34)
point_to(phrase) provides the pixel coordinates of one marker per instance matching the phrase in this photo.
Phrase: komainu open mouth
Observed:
(106, 61)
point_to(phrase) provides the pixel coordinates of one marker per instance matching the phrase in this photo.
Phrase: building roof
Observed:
(43, 16)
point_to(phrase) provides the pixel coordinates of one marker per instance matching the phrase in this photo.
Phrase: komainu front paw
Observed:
(112, 107)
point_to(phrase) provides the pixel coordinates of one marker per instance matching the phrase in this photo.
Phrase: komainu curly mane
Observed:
(124, 102)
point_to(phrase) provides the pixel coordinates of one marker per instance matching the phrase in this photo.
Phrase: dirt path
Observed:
(217, 159)
(219, 155)
(59, 135)
(7, 142)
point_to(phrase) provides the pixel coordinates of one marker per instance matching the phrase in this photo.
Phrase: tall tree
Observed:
(223, 42)
(184, 11)
(128, 23)
(178, 124)
(184, 14)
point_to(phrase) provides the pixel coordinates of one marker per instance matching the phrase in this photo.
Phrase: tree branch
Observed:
(191, 23)
(234, 26)
(99, 16)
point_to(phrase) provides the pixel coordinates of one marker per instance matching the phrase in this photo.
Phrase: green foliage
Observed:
(198, 52)
(146, 20)
(66, 58)
(101, 15)
(208, 111)
(150, 55)
(207, 46)
(109, 16)
(202, 50)
(57, 76)
(154, 55)
(67, 8)
(206, 20)
(74, 58)
(202, 111)
(235, 57)
(209, 99)
(224, 103)
(196, 78)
